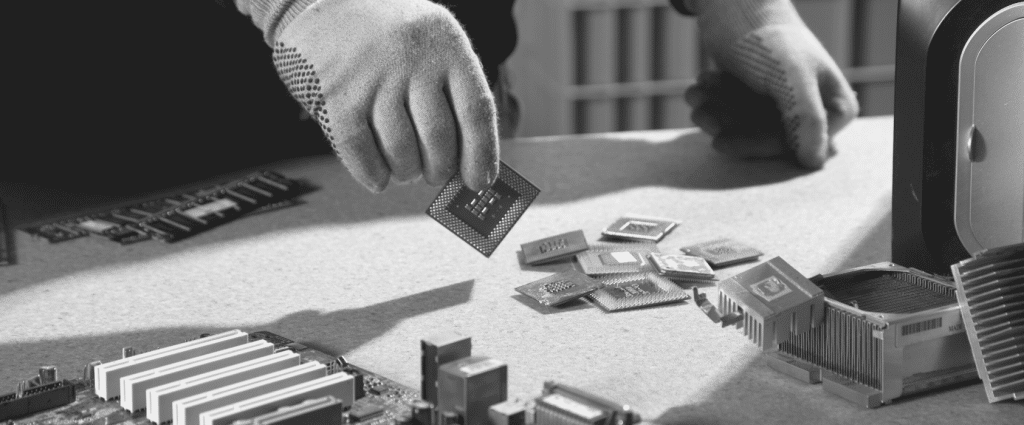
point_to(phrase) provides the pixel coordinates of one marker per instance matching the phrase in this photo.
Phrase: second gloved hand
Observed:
(394, 84)
(765, 52)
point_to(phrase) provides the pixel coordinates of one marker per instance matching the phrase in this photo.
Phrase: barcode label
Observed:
(926, 325)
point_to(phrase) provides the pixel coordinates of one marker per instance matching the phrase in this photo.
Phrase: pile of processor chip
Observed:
(626, 270)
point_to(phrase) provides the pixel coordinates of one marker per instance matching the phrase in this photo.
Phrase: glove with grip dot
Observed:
(394, 84)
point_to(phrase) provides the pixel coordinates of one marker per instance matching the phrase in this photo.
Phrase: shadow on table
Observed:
(337, 332)
(565, 169)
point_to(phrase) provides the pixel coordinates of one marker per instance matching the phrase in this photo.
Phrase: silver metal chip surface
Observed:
(482, 219)
(616, 258)
(723, 252)
(682, 266)
(639, 228)
(559, 288)
(637, 290)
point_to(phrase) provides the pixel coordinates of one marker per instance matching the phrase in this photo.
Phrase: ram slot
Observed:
(320, 411)
(108, 375)
(133, 387)
(160, 399)
(339, 385)
(187, 410)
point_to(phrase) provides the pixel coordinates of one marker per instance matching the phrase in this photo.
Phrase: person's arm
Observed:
(394, 84)
(766, 54)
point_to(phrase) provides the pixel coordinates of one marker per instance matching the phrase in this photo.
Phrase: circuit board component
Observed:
(775, 300)
(636, 291)
(469, 386)
(639, 228)
(682, 267)
(616, 258)
(560, 288)
(565, 405)
(723, 252)
(435, 351)
(175, 217)
(553, 248)
(483, 218)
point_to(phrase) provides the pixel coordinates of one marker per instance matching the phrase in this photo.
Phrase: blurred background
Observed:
(585, 66)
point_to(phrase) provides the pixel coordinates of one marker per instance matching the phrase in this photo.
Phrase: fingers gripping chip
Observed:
(482, 219)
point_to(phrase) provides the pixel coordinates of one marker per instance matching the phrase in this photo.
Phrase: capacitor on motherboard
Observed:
(47, 374)
(422, 412)
(89, 371)
(449, 417)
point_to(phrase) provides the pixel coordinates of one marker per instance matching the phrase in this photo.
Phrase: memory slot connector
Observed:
(187, 410)
(339, 385)
(108, 375)
(159, 400)
(134, 387)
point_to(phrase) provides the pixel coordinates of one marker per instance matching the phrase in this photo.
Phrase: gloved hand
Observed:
(394, 84)
(767, 57)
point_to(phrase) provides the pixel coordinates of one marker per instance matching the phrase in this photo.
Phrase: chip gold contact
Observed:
(554, 247)
(638, 290)
(639, 228)
(483, 218)
(616, 258)
(722, 252)
(681, 266)
(560, 288)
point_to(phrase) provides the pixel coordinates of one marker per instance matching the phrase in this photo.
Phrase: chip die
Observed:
(483, 218)
(681, 266)
(617, 258)
(560, 288)
(639, 228)
(637, 290)
(554, 247)
(722, 252)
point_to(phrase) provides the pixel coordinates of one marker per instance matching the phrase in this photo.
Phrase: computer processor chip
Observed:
(483, 218)
(560, 288)
(639, 228)
(722, 252)
(554, 247)
(637, 290)
(680, 266)
(617, 258)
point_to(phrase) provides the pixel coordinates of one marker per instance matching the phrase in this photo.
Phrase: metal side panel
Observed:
(989, 208)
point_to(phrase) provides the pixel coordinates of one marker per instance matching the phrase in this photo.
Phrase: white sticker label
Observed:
(573, 406)
(98, 226)
(210, 208)
(624, 257)
(478, 367)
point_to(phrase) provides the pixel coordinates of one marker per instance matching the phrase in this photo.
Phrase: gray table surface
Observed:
(368, 276)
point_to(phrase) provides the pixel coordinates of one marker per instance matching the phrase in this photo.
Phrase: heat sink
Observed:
(771, 302)
(990, 291)
(887, 332)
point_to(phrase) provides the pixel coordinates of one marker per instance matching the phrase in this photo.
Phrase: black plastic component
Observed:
(36, 400)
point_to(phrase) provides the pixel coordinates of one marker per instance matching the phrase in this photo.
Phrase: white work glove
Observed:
(394, 84)
(766, 56)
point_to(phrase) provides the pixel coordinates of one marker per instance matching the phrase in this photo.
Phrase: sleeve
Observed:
(272, 16)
